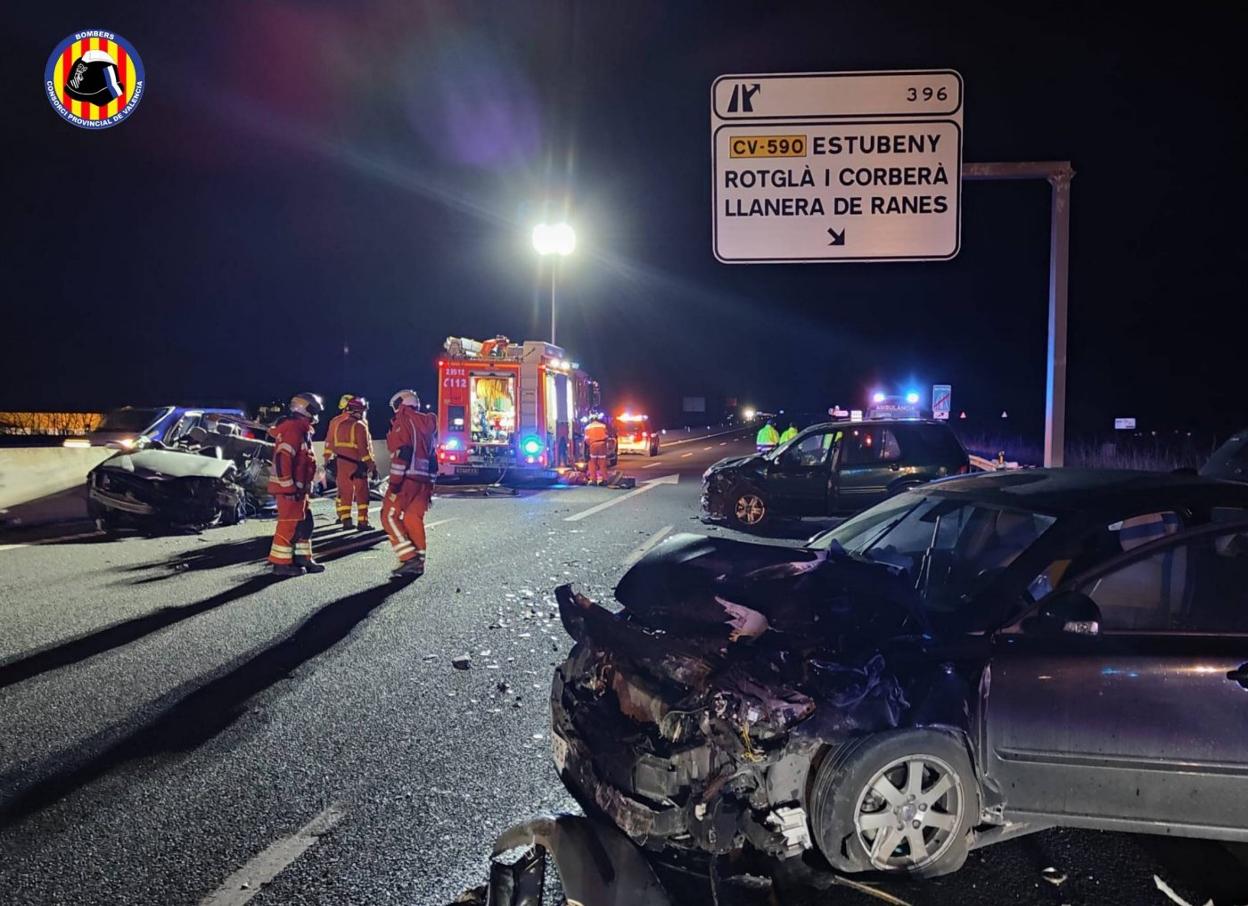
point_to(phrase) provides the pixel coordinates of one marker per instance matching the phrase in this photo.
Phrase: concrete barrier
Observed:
(45, 485)
(31, 474)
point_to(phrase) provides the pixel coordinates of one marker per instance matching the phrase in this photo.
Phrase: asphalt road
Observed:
(169, 716)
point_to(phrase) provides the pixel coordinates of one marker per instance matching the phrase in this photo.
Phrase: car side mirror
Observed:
(1069, 612)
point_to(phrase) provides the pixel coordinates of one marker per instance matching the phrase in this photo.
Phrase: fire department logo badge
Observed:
(94, 79)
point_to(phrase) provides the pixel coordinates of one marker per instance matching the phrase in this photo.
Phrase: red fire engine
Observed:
(511, 407)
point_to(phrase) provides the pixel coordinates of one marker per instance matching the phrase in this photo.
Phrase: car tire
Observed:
(748, 508)
(869, 789)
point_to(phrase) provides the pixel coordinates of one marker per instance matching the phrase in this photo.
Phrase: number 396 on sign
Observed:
(767, 146)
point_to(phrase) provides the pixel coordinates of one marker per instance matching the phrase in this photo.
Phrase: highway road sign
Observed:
(837, 166)
(1124, 424)
(942, 395)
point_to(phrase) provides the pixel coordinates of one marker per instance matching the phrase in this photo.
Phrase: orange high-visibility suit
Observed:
(294, 466)
(596, 441)
(347, 440)
(411, 444)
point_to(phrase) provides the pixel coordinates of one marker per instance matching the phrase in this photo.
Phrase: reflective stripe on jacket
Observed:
(294, 464)
(415, 432)
(348, 437)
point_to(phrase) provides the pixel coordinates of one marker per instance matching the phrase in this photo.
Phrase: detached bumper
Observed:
(597, 865)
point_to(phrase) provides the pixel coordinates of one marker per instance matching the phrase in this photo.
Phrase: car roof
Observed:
(867, 422)
(1068, 490)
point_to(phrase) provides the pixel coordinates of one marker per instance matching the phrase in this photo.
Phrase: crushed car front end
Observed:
(698, 729)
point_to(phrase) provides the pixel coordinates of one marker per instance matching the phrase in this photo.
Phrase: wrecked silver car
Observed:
(213, 472)
(969, 661)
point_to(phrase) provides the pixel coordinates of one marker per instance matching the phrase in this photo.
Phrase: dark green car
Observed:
(836, 468)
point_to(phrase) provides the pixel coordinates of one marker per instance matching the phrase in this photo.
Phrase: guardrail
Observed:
(992, 465)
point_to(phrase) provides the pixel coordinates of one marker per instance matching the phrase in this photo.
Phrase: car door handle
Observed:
(1239, 675)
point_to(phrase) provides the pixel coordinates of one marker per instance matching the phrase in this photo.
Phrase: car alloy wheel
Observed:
(907, 815)
(750, 509)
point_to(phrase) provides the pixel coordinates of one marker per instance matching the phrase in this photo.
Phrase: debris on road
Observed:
(1053, 876)
(463, 662)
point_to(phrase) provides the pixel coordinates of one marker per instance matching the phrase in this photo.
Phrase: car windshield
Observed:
(949, 547)
(130, 421)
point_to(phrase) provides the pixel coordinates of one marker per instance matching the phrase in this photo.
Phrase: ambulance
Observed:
(515, 409)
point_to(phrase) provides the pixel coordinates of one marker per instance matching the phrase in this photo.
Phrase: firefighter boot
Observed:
(410, 569)
(363, 527)
(286, 570)
(310, 565)
(346, 523)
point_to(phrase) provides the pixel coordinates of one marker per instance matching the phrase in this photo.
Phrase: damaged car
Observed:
(971, 660)
(212, 470)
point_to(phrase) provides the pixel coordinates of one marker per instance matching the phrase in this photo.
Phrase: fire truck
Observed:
(517, 408)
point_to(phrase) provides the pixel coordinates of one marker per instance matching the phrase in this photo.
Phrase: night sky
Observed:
(304, 175)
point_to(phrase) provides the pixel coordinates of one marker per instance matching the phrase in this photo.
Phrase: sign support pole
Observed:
(1058, 174)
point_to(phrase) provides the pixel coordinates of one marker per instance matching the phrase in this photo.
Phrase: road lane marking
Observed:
(251, 878)
(645, 486)
(685, 455)
(653, 465)
(10, 547)
(689, 440)
(723, 443)
(644, 548)
(711, 447)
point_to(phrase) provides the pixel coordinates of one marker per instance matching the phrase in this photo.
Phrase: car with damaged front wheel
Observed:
(971, 660)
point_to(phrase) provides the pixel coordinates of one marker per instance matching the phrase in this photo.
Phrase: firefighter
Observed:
(789, 433)
(767, 437)
(412, 467)
(349, 453)
(596, 441)
(294, 467)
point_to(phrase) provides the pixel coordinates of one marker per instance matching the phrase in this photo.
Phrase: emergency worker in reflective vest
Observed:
(596, 441)
(349, 452)
(294, 467)
(411, 442)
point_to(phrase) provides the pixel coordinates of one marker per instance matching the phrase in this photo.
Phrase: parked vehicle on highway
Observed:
(213, 470)
(634, 435)
(971, 660)
(130, 427)
(831, 468)
(1229, 461)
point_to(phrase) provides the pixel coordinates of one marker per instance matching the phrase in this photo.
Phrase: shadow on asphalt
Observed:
(119, 634)
(327, 546)
(206, 711)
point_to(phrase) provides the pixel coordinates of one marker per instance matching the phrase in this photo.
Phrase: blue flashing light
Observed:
(878, 396)
(451, 444)
(912, 397)
(531, 446)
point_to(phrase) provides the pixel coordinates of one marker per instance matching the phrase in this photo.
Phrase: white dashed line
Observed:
(685, 455)
(248, 880)
(646, 486)
(11, 547)
(653, 465)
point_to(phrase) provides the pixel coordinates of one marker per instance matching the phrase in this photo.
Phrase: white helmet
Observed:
(307, 404)
(405, 398)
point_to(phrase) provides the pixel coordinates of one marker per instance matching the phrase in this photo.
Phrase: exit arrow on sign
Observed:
(837, 238)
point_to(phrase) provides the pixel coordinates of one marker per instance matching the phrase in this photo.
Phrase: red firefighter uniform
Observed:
(294, 466)
(596, 440)
(411, 444)
(348, 442)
